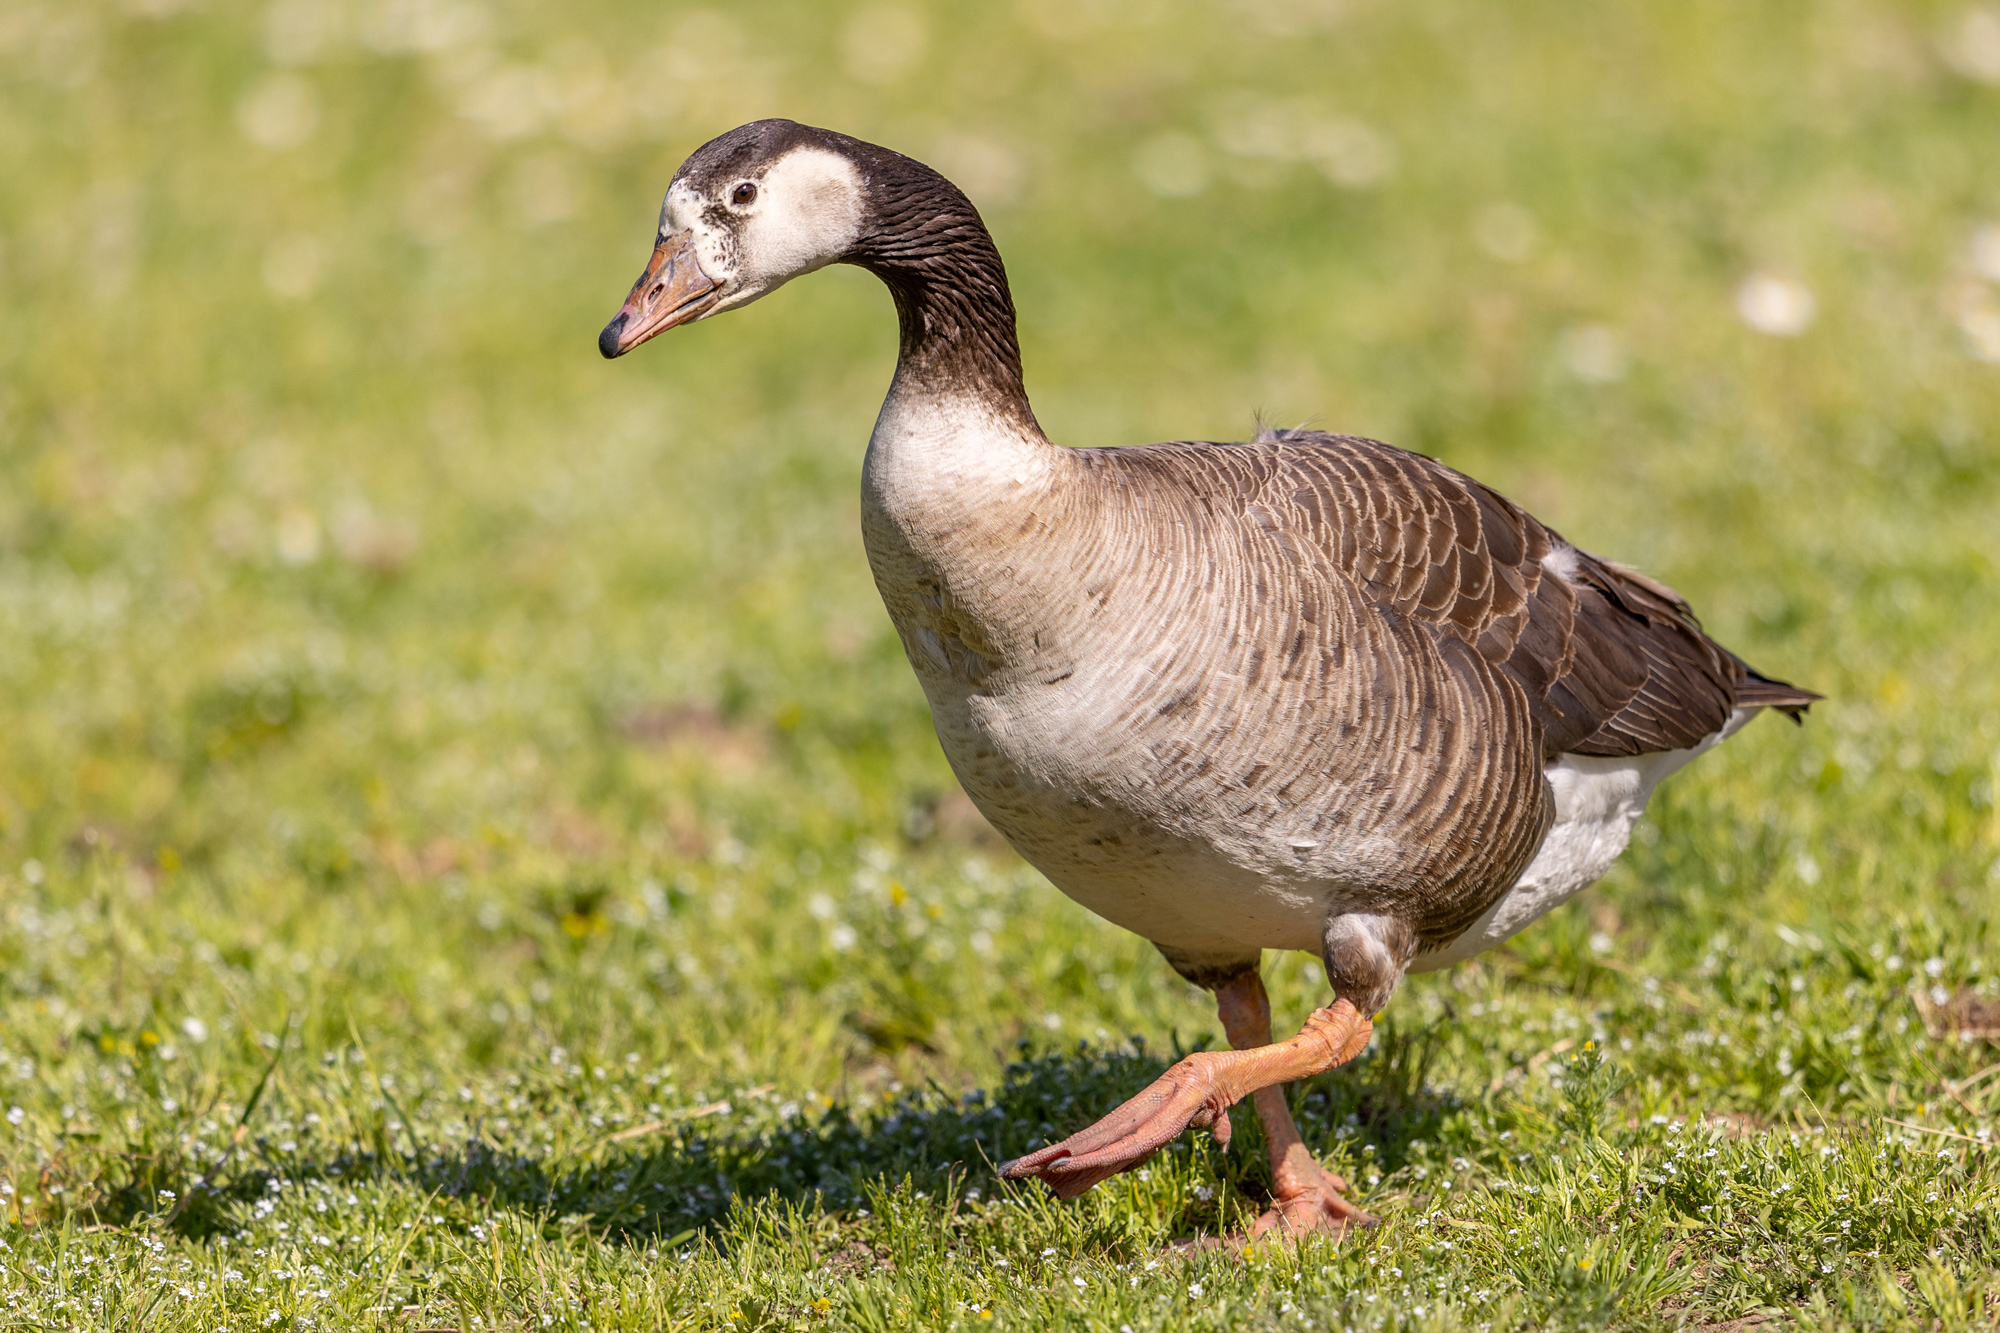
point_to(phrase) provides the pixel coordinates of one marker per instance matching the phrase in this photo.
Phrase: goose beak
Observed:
(673, 290)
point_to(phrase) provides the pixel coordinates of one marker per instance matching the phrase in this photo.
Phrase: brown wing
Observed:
(1612, 662)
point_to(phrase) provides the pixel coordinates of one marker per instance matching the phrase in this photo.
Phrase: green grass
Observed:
(472, 856)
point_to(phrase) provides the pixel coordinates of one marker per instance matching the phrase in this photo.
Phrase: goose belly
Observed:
(1077, 806)
(1598, 803)
(1175, 890)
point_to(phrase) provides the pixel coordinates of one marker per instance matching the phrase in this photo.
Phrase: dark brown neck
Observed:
(928, 244)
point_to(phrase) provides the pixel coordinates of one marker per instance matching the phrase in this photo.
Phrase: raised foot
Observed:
(1306, 1198)
(1189, 1095)
(1197, 1092)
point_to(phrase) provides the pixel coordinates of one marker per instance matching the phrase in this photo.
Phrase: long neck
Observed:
(929, 246)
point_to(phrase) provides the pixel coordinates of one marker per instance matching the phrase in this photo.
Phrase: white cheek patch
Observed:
(807, 215)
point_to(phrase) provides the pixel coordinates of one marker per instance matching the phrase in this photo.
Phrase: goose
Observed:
(1305, 692)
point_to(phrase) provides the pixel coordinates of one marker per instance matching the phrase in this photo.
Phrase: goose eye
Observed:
(743, 194)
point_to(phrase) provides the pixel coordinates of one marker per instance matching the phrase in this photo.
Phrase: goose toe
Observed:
(1186, 1096)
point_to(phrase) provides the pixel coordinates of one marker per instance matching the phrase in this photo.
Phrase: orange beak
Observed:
(673, 290)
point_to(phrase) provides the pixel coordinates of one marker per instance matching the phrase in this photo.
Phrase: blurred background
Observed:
(373, 653)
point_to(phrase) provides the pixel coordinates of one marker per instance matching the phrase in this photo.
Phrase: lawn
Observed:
(472, 855)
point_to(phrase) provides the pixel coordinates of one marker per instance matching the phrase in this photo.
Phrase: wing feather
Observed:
(1612, 662)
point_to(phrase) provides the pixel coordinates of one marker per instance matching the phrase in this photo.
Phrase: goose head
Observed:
(744, 215)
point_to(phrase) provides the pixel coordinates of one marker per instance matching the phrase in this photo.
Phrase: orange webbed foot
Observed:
(1306, 1197)
(1197, 1092)
(1189, 1095)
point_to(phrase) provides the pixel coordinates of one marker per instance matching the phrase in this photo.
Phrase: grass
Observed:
(472, 856)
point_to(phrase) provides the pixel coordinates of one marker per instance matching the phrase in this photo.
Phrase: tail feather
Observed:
(1755, 691)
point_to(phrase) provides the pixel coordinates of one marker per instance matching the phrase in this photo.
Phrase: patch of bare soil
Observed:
(698, 729)
(1966, 1016)
(952, 817)
(856, 1258)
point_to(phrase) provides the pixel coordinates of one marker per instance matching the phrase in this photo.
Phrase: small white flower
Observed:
(1986, 252)
(1775, 305)
(1973, 49)
(1194, 1288)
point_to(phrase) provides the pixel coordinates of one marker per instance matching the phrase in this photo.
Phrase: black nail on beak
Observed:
(607, 341)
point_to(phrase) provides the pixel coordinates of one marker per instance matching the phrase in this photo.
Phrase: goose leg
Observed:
(1196, 1092)
(1305, 1196)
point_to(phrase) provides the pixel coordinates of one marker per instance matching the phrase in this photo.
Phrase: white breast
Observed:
(1598, 801)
